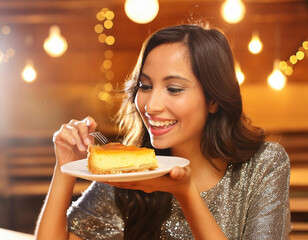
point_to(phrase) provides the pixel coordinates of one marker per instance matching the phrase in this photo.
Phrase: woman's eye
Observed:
(175, 90)
(144, 87)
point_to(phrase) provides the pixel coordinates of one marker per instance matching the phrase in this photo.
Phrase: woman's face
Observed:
(170, 99)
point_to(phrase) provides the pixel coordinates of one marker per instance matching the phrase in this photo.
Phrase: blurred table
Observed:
(12, 235)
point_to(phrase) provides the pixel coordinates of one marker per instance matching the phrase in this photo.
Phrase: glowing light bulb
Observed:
(141, 11)
(255, 45)
(293, 59)
(233, 11)
(300, 55)
(239, 74)
(55, 45)
(305, 45)
(277, 80)
(29, 74)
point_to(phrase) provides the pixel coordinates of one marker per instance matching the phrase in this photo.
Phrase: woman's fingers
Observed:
(64, 135)
(179, 173)
(90, 122)
(79, 141)
(76, 133)
(177, 180)
(83, 132)
(91, 126)
(69, 134)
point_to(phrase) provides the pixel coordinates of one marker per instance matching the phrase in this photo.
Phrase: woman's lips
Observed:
(158, 128)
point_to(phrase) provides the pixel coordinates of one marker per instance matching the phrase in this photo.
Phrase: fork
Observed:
(100, 137)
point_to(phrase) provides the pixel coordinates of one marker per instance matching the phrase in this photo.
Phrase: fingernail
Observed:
(87, 141)
(176, 172)
(82, 147)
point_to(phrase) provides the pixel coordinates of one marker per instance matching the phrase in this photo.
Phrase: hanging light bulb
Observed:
(141, 11)
(29, 74)
(55, 45)
(255, 45)
(277, 80)
(239, 74)
(233, 11)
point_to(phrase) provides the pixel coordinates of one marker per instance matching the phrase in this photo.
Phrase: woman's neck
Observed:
(203, 173)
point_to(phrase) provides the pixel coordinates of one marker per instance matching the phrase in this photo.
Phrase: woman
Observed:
(184, 100)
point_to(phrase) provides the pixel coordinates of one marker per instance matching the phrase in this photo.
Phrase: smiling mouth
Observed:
(162, 124)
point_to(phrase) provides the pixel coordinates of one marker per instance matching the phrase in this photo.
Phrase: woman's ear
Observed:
(213, 106)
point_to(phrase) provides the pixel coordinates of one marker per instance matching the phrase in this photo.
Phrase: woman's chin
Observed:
(160, 145)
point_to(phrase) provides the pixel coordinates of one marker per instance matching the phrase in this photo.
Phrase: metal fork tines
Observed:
(100, 137)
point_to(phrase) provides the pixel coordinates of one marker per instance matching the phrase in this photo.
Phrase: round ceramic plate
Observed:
(165, 164)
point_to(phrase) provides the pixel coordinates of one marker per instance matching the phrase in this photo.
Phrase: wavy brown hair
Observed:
(227, 133)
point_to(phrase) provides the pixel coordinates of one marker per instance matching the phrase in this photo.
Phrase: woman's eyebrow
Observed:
(175, 77)
(144, 75)
(167, 77)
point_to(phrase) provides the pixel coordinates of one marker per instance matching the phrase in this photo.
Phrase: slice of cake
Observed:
(117, 158)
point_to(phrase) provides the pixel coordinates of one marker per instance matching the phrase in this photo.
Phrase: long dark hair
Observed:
(227, 133)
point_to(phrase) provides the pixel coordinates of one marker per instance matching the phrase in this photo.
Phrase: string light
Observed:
(9, 53)
(300, 55)
(110, 40)
(6, 30)
(98, 28)
(141, 11)
(233, 11)
(104, 90)
(255, 45)
(276, 79)
(108, 24)
(55, 45)
(287, 66)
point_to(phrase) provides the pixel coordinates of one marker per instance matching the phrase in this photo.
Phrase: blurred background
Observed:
(66, 59)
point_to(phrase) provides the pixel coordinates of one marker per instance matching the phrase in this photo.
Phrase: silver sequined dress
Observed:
(250, 202)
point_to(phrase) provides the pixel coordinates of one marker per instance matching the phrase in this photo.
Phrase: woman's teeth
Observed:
(163, 124)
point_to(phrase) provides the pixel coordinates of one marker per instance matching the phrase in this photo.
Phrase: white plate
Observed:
(165, 164)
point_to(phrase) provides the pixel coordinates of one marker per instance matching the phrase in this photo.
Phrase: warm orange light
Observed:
(55, 45)
(108, 24)
(98, 28)
(277, 80)
(255, 45)
(293, 59)
(283, 65)
(233, 11)
(300, 55)
(110, 40)
(141, 11)
(239, 74)
(29, 73)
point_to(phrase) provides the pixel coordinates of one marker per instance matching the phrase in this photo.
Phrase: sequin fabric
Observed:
(250, 202)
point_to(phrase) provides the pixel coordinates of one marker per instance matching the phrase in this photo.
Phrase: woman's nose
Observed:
(154, 103)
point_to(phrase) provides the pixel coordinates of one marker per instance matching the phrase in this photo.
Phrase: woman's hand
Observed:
(72, 140)
(176, 182)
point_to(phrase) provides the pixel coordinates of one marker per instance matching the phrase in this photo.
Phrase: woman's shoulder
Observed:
(271, 152)
(270, 158)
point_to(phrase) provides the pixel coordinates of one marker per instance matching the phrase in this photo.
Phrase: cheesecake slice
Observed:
(115, 158)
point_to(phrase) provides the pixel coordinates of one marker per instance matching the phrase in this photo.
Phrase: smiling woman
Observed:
(182, 99)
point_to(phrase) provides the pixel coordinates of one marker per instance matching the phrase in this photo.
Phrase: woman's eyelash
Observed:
(143, 86)
(175, 90)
